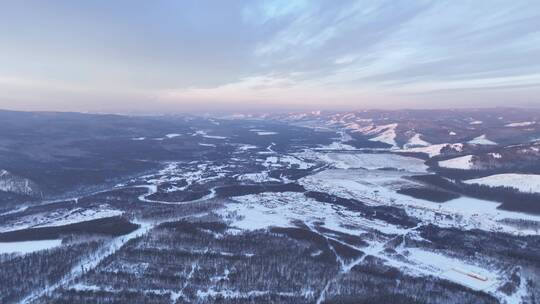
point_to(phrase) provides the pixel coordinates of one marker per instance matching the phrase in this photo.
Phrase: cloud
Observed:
(297, 54)
(261, 12)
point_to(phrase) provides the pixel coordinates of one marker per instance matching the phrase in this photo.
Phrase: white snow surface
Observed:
(379, 188)
(496, 155)
(529, 183)
(214, 137)
(481, 140)
(462, 162)
(262, 132)
(260, 211)
(452, 269)
(207, 145)
(28, 246)
(416, 141)
(245, 147)
(354, 160)
(205, 135)
(60, 217)
(385, 134)
(172, 135)
(521, 124)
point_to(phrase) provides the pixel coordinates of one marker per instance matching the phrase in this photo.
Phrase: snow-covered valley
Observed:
(256, 213)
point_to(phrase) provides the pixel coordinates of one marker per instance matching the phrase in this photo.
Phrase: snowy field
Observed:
(28, 246)
(261, 211)
(458, 271)
(263, 132)
(367, 160)
(386, 134)
(246, 147)
(481, 140)
(381, 133)
(462, 162)
(416, 141)
(529, 183)
(60, 217)
(379, 188)
(521, 124)
(205, 135)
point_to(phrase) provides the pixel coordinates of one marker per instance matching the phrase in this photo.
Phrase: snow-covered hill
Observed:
(308, 207)
(529, 183)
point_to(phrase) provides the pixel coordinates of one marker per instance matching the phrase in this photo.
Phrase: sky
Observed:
(282, 55)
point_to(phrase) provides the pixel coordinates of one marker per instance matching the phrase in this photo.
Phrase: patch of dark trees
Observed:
(521, 223)
(300, 234)
(389, 214)
(361, 142)
(483, 243)
(194, 227)
(429, 194)
(343, 250)
(287, 136)
(292, 174)
(423, 156)
(171, 211)
(346, 252)
(23, 274)
(511, 198)
(373, 298)
(111, 226)
(223, 153)
(257, 260)
(10, 199)
(511, 286)
(523, 167)
(35, 210)
(354, 240)
(69, 296)
(280, 262)
(124, 198)
(375, 282)
(91, 150)
(166, 185)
